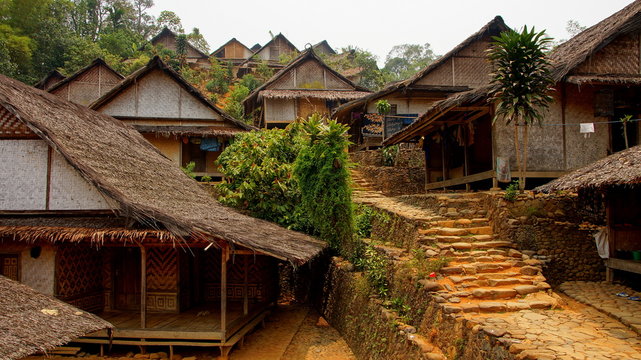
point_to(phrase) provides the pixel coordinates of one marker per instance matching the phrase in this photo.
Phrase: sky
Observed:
(377, 25)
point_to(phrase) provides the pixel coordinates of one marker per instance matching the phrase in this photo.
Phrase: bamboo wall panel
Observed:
(162, 269)
(23, 174)
(38, 273)
(69, 191)
(471, 71)
(262, 277)
(286, 81)
(441, 75)
(11, 127)
(107, 278)
(280, 109)
(309, 106)
(309, 75)
(79, 276)
(621, 57)
(333, 82)
(89, 86)
(476, 48)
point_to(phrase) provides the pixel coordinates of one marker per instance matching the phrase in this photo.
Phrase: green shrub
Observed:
(389, 155)
(512, 191)
(363, 216)
(375, 267)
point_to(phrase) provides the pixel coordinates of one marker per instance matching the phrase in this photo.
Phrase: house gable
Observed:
(620, 57)
(233, 49)
(88, 84)
(157, 95)
(310, 74)
(275, 48)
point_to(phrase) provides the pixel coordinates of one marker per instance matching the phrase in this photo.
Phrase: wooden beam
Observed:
(143, 287)
(245, 281)
(223, 290)
(625, 265)
(461, 180)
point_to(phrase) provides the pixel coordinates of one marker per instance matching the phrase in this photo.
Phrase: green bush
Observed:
(512, 191)
(389, 155)
(375, 267)
(363, 216)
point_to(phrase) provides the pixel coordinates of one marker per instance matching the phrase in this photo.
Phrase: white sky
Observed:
(377, 25)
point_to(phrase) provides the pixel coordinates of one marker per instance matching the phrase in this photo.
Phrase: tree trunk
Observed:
(625, 133)
(517, 148)
(524, 159)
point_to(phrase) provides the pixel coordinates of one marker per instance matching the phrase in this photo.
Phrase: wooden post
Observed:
(245, 290)
(223, 290)
(466, 168)
(143, 287)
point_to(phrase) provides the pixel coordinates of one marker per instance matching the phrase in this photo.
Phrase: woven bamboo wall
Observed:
(11, 127)
(162, 280)
(79, 276)
(157, 95)
(582, 150)
(37, 273)
(621, 56)
(310, 75)
(23, 174)
(89, 86)
(441, 75)
(471, 71)
(280, 109)
(286, 81)
(69, 191)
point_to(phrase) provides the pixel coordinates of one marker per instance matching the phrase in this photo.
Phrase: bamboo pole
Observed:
(143, 287)
(223, 290)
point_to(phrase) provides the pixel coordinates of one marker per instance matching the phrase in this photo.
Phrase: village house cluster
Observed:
(96, 212)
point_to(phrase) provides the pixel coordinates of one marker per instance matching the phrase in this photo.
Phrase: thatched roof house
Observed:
(87, 84)
(49, 80)
(323, 47)
(172, 114)
(463, 68)
(32, 322)
(269, 54)
(167, 39)
(232, 51)
(305, 86)
(597, 74)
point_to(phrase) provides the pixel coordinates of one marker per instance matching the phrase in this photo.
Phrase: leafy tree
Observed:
(250, 82)
(405, 60)
(522, 84)
(171, 21)
(363, 61)
(143, 21)
(234, 106)
(15, 52)
(574, 28)
(198, 40)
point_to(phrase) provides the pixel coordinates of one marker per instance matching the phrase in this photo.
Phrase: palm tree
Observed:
(522, 84)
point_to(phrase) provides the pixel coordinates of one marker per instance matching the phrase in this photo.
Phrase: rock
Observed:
(439, 299)
(543, 286)
(526, 289)
(494, 293)
(529, 270)
(162, 354)
(451, 309)
(452, 270)
(517, 348)
(492, 307)
(141, 356)
(388, 314)
(469, 307)
(177, 357)
(429, 285)
(455, 300)
(322, 322)
(422, 343)
(494, 331)
(517, 306)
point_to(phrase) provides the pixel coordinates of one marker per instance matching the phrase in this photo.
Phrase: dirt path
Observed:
(292, 333)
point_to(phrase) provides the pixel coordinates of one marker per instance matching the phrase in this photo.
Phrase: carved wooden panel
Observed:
(162, 269)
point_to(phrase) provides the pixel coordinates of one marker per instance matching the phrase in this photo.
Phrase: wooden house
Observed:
(233, 52)
(172, 115)
(53, 77)
(167, 39)
(33, 322)
(323, 48)
(270, 54)
(615, 183)
(87, 84)
(463, 68)
(307, 85)
(93, 214)
(597, 83)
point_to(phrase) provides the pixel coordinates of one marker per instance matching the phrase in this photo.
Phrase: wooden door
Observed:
(307, 106)
(9, 266)
(126, 270)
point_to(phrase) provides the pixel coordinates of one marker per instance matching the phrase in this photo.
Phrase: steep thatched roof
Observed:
(313, 93)
(323, 46)
(202, 131)
(308, 54)
(53, 76)
(96, 62)
(270, 42)
(144, 184)
(166, 32)
(157, 64)
(622, 168)
(575, 51)
(31, 322)
(494, 27)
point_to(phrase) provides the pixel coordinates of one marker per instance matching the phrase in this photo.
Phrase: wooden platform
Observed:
(195, 327)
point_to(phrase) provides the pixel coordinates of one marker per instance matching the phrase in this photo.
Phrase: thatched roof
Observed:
(213, 53)
(323, 46)
(166, 32)
(308, 54)
(604, 79)
(31, 322)
(144, 184)
(622, 168)
(96, 62)
(313, 93)
(44, 83)
(494, 27)
(575, 51)
(202, 131)
(270, 42)
(157, 64)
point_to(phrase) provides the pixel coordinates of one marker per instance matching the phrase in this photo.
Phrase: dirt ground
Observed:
(292, 332)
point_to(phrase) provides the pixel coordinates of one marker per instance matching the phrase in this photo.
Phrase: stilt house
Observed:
(172, 115)
(33, 322)
(614, 184)
(87, 84)
(597, 83)
(167, 39)
(93, 214)
(463, 68)
(306, 86)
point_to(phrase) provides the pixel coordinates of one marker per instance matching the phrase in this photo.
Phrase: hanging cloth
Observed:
(210, 144)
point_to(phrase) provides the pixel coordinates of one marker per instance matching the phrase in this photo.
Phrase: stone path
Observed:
(503, 291)
(602, 296)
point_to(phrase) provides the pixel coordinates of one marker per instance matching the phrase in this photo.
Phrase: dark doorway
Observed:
(126, 267)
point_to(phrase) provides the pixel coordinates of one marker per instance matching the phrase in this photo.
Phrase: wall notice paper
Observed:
(586, 129)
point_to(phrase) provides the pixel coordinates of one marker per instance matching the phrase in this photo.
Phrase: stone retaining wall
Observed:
(404, 158)
(548, 227)
(393, 181)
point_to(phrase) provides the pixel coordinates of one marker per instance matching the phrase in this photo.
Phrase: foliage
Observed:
(189, 169)
(522, 83)
(234, 106)
(263, 71)
(511, 192)
(406, 60)
(287, 57)
(383, 107)
(425, 265)
(389, 154)
(250, 82)
(363, 216)
(323, 161)
(573, 28)
(197, 40)
(206, 178)
(375, 266)
(171, 21)
(354, 58)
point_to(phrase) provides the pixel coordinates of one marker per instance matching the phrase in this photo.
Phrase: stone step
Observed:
(456, 238)
(494, 293)
(449, 231)
(481, 230)
(493, 244)
(508, 281)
